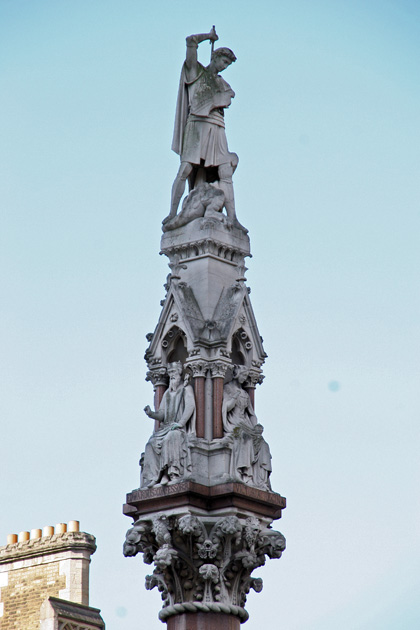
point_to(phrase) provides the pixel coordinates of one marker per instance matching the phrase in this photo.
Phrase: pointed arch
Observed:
(174, 345)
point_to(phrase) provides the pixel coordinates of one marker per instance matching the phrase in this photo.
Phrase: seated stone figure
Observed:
(167, 455)
(251, 457)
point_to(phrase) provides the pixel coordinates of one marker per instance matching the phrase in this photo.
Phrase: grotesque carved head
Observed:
(275, 544)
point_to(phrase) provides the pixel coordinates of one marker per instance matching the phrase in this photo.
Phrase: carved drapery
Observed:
(203, 564)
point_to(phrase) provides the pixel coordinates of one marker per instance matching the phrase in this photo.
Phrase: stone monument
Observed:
(203, 512)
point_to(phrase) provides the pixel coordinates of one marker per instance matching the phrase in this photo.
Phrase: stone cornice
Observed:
(241, 497)
(204, 237)
(47, 545)
(77, 613)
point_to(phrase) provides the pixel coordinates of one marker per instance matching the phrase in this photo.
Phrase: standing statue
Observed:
(199, 131)
(251, 457)
(167, 455)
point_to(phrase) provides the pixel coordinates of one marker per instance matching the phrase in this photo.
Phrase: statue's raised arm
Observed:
(199, 130)
(191, 61)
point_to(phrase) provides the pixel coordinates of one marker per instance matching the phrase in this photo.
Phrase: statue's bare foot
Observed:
(164, 480)
(168, 218)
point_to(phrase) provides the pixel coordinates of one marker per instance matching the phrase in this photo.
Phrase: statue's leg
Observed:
(225, 182)
(178, 188)
(173, 453)
(151, 465)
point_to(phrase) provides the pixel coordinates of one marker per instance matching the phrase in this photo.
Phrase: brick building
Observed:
(44, 580)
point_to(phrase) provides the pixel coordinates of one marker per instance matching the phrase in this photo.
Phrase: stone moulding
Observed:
(65, 615)
(48, 545)
(188, 494)
(203, 563)
(203, 237)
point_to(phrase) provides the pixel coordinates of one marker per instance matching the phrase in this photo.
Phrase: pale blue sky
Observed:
(326, 123)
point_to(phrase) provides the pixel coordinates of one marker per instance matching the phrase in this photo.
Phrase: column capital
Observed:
(254, 379)
(198, 367)
(203, 565)
(218, 369)
(157, 377)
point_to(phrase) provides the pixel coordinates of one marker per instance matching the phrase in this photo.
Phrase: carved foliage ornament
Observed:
(157, 376)
(203, 565)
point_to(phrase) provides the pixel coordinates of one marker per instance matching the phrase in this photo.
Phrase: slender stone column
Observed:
(159, 391)
(199, 369)
(251, 393)
(217, 407)
(218, 371)
(253, 380)
(199, 382)
(208, 407)
(203, 621)
(159, 381)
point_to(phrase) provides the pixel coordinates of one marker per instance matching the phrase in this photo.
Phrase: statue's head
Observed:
(241, 373)
(222, 58)
(175, 371)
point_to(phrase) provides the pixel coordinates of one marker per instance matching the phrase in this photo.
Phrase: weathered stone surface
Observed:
(205, 200)
(34, 570)
(205, 506)
(63, 615)
(203, 621)
(199, 133)
(203, 563)
(207, 323)
(167, 456)
(206, 236)
(250, 460)
(237, 498)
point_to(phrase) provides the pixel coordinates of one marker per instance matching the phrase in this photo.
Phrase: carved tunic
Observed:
(199, 132)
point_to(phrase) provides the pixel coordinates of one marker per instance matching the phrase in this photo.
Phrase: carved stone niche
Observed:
(174, 345)
(203, 564)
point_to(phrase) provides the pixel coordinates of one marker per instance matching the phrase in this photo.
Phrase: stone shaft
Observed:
(203, 621)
